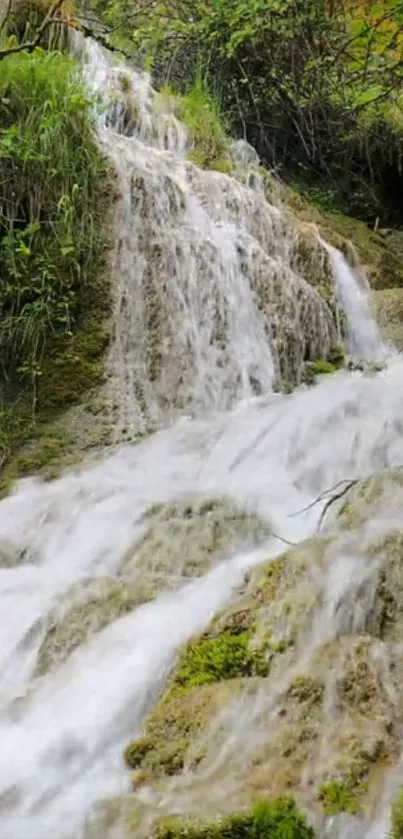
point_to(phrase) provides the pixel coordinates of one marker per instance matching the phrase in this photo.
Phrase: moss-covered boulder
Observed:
(180, 540)
(185, 538)
(295, 687)
(174, 734)
(101, 602)
(388, 310)
(380, 253)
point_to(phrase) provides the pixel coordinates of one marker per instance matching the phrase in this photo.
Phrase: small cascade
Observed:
(218, 296)
(363, 338)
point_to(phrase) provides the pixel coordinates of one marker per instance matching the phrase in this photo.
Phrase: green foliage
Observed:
(338, 797)
(315, 86)
(224, 657)
(55, 189)
(201, 114)
(136, 751)
(396, 830)
(269, 819)
(51, 175)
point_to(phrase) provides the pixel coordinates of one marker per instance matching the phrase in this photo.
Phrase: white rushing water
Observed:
(62, 734)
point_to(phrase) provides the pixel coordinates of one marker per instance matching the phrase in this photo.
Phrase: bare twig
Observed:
(335, 498)
(283, 539)
(320, 498)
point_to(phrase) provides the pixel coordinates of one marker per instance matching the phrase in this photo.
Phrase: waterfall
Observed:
(212, 307)
(218, 295)
(362, 334)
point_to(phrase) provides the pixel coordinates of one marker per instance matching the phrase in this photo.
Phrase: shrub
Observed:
(214, 659)
(338, 797)
(202, 116)
(55, 194)
(52, 177)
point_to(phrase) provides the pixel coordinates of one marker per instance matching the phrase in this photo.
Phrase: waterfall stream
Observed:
(196, 354)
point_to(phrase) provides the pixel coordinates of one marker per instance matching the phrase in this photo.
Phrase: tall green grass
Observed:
(201, 113)
(52, 177)
(56, 190)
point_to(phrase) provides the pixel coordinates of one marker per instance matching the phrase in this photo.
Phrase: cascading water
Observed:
(210, 308)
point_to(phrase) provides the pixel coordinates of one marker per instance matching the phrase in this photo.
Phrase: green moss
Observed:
(171, 730)
(276, 818)
(306, 689)
(136, 751)
(396, 829)
(338, 797)
(215, 659)
(321, 367)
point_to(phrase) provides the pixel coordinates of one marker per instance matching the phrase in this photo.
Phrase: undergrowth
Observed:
(55, 189)
(214, 659)
(338, 797)
(271, 819)
(200, 112)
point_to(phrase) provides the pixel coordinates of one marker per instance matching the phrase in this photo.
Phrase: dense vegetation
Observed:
(54, 194)
(315, 85)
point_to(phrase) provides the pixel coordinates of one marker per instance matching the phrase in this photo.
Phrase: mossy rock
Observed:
(187, 537)
(181, 540)
(323, 721)
(285, 591)
(275, 818)
(106, 601)
(380, 256)
(385, 619)
(388, 310)
(396, 829)
(367, 496)
(172, 733)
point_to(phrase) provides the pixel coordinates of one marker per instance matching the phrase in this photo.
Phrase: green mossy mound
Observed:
(209, 145)
(174, 734)
(277, 819)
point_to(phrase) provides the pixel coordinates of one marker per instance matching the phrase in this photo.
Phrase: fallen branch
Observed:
(336, 498)
(319, 498)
